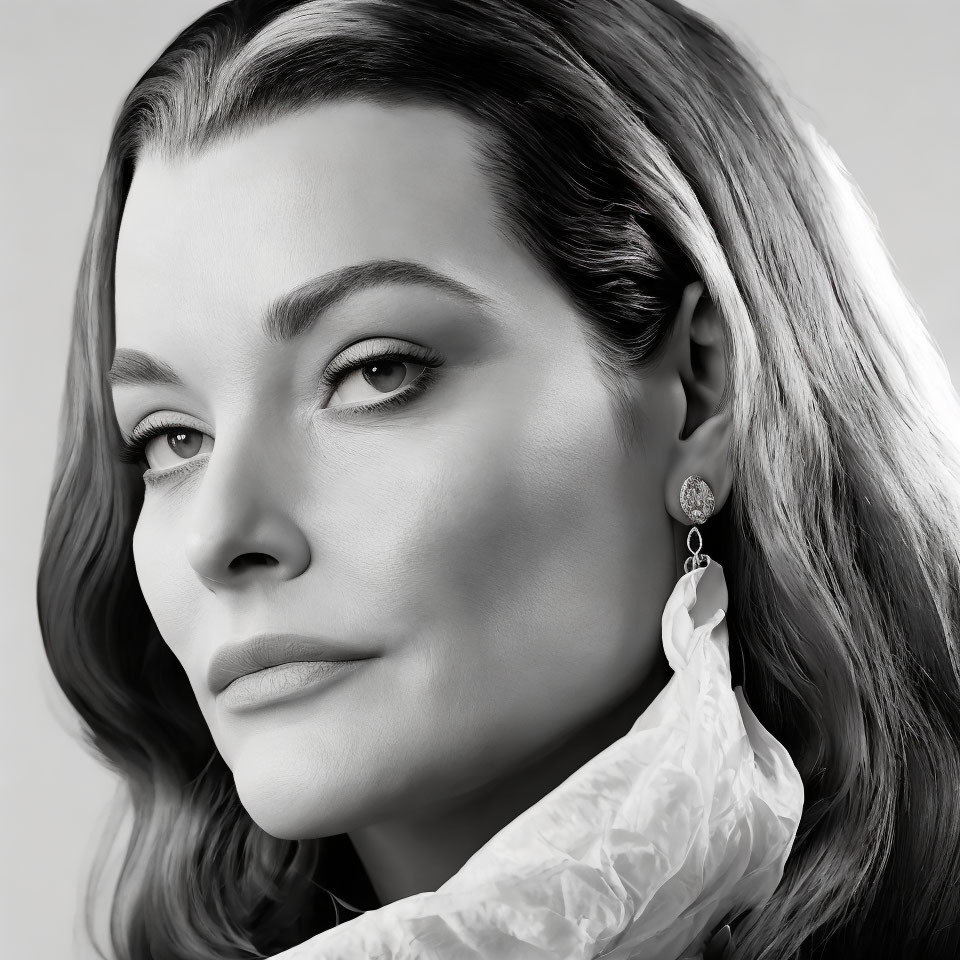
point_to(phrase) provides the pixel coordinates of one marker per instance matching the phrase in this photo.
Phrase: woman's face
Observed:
(485, 541)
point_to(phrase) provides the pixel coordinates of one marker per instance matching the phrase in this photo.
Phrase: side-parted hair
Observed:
(633, 148)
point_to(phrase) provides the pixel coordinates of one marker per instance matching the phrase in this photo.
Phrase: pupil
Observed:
(178, 442)
(384, 375)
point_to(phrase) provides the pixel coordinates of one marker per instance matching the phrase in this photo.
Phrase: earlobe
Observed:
(705, 453)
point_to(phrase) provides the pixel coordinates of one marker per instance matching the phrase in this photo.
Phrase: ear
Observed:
(700, 361)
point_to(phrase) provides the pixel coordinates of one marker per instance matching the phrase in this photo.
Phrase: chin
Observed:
(291, 797)
(293, 807)
(295, 793)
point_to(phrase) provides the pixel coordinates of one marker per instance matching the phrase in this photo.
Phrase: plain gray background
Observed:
(879, 79)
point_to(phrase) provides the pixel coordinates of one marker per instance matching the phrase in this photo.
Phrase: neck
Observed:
(417, 854)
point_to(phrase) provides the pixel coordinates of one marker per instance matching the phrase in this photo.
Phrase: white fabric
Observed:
(640, 853)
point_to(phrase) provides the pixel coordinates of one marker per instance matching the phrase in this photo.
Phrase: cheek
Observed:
(505, 553)
(169, 586)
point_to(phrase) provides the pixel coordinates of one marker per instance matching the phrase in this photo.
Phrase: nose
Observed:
(240, 527)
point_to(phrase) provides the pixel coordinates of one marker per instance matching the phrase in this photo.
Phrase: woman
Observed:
(428, 336)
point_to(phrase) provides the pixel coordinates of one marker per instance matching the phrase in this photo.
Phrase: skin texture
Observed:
(490, 541)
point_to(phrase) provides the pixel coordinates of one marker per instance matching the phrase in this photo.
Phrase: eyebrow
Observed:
(293, 313)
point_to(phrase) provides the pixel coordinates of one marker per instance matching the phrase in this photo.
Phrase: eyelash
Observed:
(133, 450)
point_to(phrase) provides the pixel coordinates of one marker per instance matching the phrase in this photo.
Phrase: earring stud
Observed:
(696, 499)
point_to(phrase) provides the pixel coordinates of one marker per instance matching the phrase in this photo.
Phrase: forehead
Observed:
(219, 235)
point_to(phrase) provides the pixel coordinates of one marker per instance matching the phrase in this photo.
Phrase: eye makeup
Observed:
(133, 449)
(369, 353)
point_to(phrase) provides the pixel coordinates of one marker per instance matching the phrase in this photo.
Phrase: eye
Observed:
(171, 447)
(375, 375)
(374, 379)
(165, 444)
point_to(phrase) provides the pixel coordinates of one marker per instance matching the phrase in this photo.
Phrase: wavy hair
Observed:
(632, 147)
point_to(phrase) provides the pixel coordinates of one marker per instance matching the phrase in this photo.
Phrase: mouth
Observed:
(298, 653)
(283, 682)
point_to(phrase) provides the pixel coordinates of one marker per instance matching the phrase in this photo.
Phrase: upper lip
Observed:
(267, 650)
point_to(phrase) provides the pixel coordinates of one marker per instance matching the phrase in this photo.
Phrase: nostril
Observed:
(253, 559)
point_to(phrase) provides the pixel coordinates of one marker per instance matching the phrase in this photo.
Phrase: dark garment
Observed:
(720, 945)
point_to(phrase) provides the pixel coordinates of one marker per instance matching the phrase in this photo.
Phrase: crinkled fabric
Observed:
(637, 855)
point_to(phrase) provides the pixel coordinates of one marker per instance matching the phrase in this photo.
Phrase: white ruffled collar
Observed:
(640, 853)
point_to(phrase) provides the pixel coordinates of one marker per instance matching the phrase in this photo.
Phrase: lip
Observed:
(280, 684)
(235, 660)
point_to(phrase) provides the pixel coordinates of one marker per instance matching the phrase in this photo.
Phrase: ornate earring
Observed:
(697, 502)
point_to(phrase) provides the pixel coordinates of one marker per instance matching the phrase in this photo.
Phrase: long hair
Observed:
(632, 148)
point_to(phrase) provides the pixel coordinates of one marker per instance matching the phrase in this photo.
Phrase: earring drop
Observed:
(697, 502)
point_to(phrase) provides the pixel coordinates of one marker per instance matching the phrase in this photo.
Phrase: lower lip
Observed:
(286, 681)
